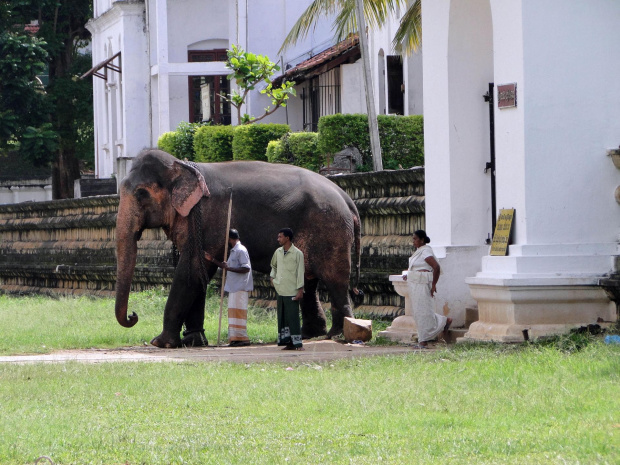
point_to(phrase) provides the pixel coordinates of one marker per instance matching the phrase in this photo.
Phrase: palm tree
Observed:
(407, 37)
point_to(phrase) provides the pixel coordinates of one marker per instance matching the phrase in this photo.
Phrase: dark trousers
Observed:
(289, 325)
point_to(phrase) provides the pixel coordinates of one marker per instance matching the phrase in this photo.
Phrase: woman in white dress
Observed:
(422, 276)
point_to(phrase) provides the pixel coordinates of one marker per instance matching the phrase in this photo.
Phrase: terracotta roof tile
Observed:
(301, 72)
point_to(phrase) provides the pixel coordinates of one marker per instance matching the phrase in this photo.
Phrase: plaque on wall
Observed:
(501, 238)
(507, 95)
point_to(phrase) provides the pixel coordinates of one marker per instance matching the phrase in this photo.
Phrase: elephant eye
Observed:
(142, 195)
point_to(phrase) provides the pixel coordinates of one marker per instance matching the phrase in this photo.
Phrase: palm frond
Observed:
(376, 13)
(408, 37)
(308, 20)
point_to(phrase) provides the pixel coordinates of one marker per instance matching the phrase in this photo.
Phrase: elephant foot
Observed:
(310, 333)
(164, 342)
(195, 338)
(333, 332)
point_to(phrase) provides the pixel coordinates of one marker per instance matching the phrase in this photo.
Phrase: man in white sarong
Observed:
(239, 283)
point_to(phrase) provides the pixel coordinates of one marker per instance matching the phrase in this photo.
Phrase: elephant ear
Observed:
(189, 187)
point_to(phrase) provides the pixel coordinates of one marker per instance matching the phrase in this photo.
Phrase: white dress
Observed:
(419, 283)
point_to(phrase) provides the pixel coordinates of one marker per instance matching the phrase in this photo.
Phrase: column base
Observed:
(403, 329)
(543, 307)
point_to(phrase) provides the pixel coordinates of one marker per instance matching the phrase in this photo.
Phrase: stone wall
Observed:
(68, 246)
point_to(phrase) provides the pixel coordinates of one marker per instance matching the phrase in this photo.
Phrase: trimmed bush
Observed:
(250, 141)
(213, 143)
(166, 142)
(303, 149)
(296, 148)
(180, 143)
(402, 138)
(275, 152)
(185, 139)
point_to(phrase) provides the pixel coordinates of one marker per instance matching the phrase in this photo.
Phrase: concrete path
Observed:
(316, 351)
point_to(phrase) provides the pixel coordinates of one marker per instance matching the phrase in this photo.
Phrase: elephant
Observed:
(190, 202)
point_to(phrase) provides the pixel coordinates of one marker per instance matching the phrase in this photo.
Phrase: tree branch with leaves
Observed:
(248, 71)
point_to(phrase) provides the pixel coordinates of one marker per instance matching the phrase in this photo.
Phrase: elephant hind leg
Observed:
(314, 322)
(195, 338)
(341, 307)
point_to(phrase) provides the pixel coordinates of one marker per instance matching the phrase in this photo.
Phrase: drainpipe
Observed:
(488, 97)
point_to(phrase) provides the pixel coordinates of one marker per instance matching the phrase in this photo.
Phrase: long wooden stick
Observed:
(219, 326)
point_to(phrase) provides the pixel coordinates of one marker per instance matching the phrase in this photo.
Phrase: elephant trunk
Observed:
(127, 235)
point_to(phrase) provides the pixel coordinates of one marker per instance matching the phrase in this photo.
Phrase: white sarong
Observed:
(429, 323)
(238, 316)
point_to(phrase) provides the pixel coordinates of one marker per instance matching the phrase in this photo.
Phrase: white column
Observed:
(163, 81)
(552, 168)
(120, 111)
(457, 192)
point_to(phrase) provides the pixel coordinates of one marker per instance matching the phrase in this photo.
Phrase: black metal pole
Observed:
(488, 97)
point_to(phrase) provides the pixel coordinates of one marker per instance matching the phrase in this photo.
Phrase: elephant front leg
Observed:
(194, 334)
(185, 305)
(314, 322)
(170, 338)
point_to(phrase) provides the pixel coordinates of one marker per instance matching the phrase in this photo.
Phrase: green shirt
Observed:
(287, 270)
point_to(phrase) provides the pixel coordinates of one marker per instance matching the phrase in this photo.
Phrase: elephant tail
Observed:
(357, 251)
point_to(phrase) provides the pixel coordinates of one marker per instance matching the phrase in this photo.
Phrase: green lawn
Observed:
(32, 325)
(556, 403)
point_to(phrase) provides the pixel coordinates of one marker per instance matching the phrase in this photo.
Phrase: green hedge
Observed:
(167, 141)
(250, 141)
(296, 148)
(180, 143)
(275, 152)
(402, 138)
(213, 143)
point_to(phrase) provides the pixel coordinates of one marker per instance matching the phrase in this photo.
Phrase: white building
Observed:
(162, 62)
(551, 158)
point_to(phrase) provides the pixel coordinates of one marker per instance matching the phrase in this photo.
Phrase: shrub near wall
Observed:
(250, 141)
(213, 143)
(179, 143)
(296, 148)
(303, 147)
(275, 152)
(166, 142)
(402, 138)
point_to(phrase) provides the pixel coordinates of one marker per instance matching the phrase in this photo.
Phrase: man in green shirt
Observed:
(287, 276)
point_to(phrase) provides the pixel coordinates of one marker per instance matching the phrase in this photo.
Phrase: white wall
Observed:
(470, 55)
(136, 91)
(414, 83)
(571, 101)
(458, 67)
(191, 21)
(35, 190)
(121, 103)
(509, 122)
(352, 88)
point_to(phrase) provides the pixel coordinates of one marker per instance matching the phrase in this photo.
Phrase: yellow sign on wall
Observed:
(499, 246)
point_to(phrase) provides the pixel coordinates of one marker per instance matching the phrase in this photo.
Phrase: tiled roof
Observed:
(348, 48)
